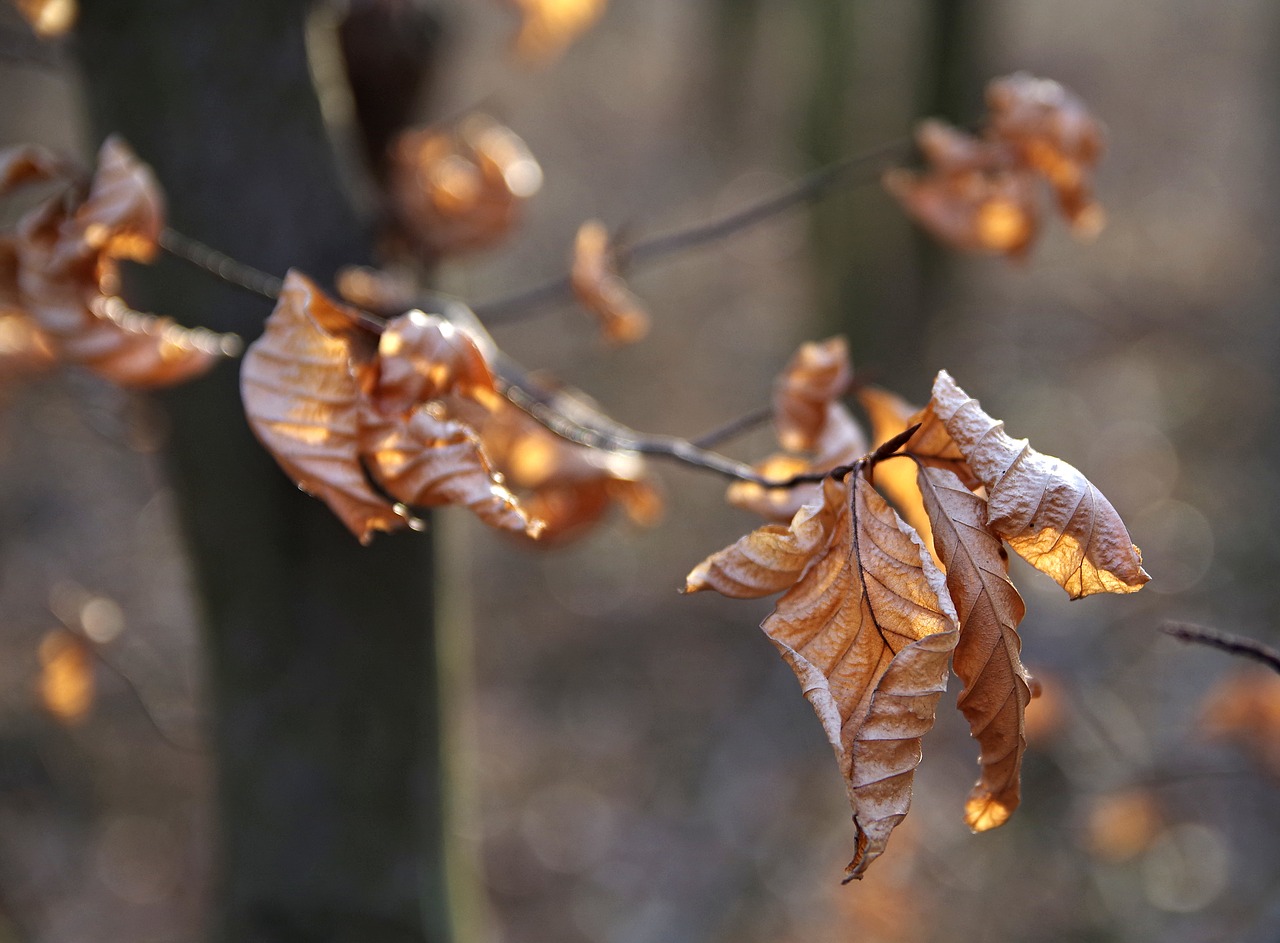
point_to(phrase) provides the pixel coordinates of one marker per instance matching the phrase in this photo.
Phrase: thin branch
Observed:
(810, 188)
(734, 428)
(220, 265)
(1224, 641)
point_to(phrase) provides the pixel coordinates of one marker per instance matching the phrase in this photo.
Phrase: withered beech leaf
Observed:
(1044, 508)
(868, 629)
(422, 357)
(462, 188)
(67, 279)
(1055, 134)
(890, 416)
(66, 684)
(817, 375)
(426, 460)
(599, 288)
(771, 558)
(996, 689)
(301, 385)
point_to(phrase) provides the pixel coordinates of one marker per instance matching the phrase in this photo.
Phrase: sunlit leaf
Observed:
(29, 163)
(996, 690)
(1044, 508)
(817, 375)
(49, 19)
(598, 287)
(301, 385)
(548, 26)
(868, 629)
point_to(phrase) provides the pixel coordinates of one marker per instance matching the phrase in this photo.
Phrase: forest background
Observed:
(637, 766)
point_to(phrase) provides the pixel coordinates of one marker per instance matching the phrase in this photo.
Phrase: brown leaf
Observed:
(996, 690)
(1055, 134)
(817, 375)
(771, 558)
(301, 386)
(891, 416)
(67, 280)
(1122, 825)
(868, 629)
(423, 357)
(1244, 707)
(425, 460)
(1044, 508)
(49, 19)
(461, 189)
(971, 210)
(548, 26)
(598, 287)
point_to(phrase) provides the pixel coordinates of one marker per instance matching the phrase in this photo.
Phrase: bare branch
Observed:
(1224, 641)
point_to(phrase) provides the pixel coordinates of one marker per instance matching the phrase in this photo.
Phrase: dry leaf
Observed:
(996, 690)
(66, 684)
(461, 189)
(49, 19)
(423, 357)
(890, 416)
(424, 460)
(375, 290)
(1122, 825)
(1044, 508)
(868, 630)
(770, 559)
(598, 287)
(29, 163)
(301, 385)
(817, 375)
(1055, 134)
(548, 26)
(67, 279)
(971, 210)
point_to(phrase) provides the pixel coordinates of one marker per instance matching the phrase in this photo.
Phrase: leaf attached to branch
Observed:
(1044, 508)
(600, 289)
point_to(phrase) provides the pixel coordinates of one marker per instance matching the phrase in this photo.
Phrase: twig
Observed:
(220, 265)
(1225, 641)
(734, 428)
(525, 302)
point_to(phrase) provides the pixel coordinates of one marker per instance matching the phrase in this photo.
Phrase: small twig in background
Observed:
(734, 428)
(1225, 641)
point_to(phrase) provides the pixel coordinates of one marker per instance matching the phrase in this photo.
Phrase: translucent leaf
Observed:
(598, 287)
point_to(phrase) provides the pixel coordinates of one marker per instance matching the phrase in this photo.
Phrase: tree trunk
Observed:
(321, 653)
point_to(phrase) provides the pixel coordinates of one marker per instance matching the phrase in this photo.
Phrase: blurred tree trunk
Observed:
(874, 284)
(321, 652)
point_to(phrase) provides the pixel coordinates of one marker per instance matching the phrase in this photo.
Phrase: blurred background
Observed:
(634, 766)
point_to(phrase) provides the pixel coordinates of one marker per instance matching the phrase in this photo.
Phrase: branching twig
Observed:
(1225, 641)
(734, 428)
(812, 187)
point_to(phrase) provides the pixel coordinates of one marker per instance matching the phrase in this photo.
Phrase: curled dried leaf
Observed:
(460, 189)
(598, 287)
(971, 210)
(1054, 133)
(868, 629)
(817, 375)
(425, 460)
(29, 163)
(301, 383)
(423, 357)
(1044, 508)
(375, 290)
(548, 26)
(996, 686)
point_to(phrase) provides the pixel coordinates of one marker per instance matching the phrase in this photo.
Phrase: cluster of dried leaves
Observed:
(59, 273)
(376, 423)
(871, 616)
(980, 193)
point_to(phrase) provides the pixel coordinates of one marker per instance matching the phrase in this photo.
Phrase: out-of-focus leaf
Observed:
(66, 684)
(868, 629)
(598, 287)
(301, 384)
(422, 357)
(996, 691)
(1122, 825)
(1044, 508)
(67, 279)
(461, 189)
(817, 375)
(1054, 133)
(548, 26)
(29, 163)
